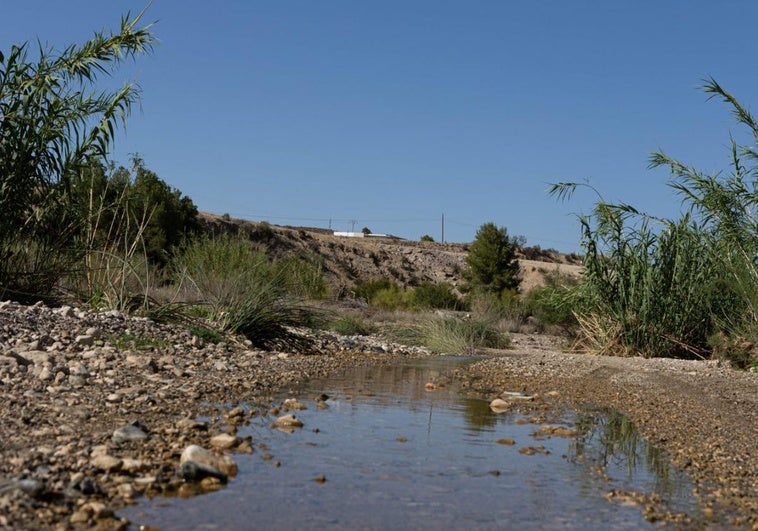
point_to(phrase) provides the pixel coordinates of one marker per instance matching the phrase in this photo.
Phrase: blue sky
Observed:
(387, 114)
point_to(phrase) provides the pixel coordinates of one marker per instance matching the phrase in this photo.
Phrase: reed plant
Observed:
(661, 287)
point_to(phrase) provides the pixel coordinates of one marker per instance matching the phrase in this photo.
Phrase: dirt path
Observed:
(704, 414)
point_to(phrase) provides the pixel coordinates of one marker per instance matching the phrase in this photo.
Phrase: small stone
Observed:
(193, 471)
(224, 441)
(499, 405)
(45, 374)
(80, 517)
(320, 479)
(191, 424)
(108, 463)
(130, 432)
(222, 463)
(133, 465)
(84, 340)
(288, 421)
(507, 442)
(126, 490)
(292, 403)
(236, 412)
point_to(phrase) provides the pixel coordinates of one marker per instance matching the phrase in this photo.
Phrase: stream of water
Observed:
(389, 454)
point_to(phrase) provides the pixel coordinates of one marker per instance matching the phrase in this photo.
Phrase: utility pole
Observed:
(352, 227)
(443, 228)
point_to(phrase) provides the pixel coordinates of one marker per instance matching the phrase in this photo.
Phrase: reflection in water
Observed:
(608, 438)
(393, 455)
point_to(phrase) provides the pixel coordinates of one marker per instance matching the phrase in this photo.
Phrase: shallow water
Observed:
(396, 456)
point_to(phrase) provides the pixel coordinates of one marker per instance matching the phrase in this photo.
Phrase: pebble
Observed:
(130, 432)
(200, 455)
(224, 441)
(105, 462)
(288, 421)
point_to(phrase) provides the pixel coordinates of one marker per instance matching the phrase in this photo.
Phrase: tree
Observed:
(492, 264)
(53, 123)
(366, 231)
(427, 238)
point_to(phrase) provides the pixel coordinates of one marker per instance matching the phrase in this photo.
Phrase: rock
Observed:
(224, 441)
(507, 442)
(516, 396)
(45, 374)
(191, 424)
(84, 340)
(130, 432)
(236, 412)
(199, 455)
(133, 466)
(105, 462)
(193, 471)
(499, 405)
(292, 403)
(288, 421)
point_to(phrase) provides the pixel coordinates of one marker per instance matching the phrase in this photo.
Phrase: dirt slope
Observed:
(347, 261)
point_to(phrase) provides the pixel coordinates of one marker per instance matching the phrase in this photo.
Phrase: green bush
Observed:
(429, 295)
(392, 298)
(450, 335)
(245, 292)
(303, 277)
(367, 289)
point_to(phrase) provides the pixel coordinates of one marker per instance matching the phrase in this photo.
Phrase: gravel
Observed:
(98, 408)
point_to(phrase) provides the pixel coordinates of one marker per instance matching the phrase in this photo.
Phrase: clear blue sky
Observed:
(390, 113)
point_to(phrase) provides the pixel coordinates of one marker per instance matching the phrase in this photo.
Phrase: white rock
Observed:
(222, 463)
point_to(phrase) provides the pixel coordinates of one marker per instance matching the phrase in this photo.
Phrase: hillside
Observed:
(347, 261)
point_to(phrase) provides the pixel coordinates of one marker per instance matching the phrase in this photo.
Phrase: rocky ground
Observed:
(99, 409)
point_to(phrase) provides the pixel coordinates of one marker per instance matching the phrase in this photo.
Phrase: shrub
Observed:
(244, 291)
(450, 335)
(367, 289)
(429, 295)
(427, 238)
(391, 298)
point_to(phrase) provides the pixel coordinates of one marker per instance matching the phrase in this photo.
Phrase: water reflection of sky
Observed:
(396, 456)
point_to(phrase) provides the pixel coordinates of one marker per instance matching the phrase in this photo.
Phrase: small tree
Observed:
(366, 231)
(492, 264)
(427, 238)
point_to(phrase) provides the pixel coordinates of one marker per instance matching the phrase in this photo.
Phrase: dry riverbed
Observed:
(97, 408)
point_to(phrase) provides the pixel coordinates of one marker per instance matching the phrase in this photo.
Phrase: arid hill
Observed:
(347, 261)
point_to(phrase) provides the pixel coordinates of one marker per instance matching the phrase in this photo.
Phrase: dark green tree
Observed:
(170, 215)
(492, 263)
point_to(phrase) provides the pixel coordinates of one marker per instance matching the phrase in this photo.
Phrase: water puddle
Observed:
(390, 454)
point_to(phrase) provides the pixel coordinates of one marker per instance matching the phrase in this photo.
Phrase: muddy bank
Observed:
(703, 413)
